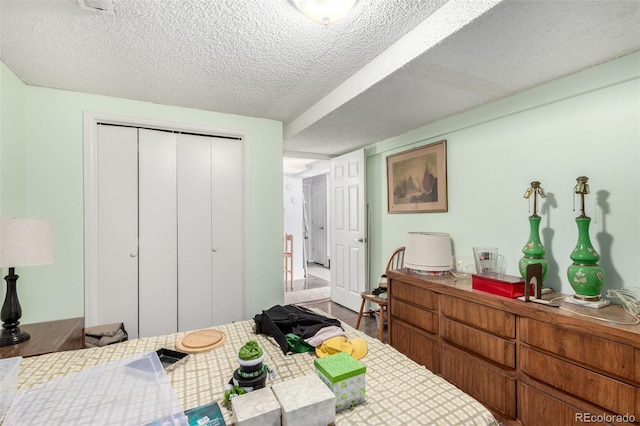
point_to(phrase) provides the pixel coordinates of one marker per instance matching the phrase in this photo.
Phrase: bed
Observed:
(399, 391)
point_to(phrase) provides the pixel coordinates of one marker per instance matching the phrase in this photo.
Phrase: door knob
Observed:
(360, 240)
(214, 249)
(133, 254)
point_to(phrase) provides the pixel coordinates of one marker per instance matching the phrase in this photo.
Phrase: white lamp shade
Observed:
(25, 242)
(324, 11)
(428, 251)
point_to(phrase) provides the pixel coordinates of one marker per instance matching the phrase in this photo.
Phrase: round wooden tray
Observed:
(201, 341)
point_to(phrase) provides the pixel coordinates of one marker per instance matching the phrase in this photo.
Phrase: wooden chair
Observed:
(288, 260)
(396, 261)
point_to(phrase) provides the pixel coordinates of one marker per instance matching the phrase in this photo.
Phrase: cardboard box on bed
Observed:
(305, 401)
(344, 375)
(256, 408)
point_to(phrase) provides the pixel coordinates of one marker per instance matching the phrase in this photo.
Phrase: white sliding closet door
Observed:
(210, 276)
(117, 227)
(157, 217)
(170, 240)
(195, 292)
(227, 225)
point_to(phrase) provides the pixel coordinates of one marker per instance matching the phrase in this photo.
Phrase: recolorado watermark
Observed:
(604, 418)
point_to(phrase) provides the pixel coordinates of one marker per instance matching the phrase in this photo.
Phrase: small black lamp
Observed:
(23, 242)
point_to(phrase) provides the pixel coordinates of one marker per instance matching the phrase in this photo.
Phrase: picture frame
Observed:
(417, 180)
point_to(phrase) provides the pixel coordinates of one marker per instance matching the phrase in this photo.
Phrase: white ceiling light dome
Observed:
(324, 11)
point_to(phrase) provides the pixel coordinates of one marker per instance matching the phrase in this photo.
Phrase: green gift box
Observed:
(344, 375)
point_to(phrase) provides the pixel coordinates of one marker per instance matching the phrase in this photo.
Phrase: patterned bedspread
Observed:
(399, 391)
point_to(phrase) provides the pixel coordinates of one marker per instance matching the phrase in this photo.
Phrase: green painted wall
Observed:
(13, 201)
(53, 129)
(13, 194)
(585, 124)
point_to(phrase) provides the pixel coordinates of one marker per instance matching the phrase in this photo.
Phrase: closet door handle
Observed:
(214, 249)
(133, 254)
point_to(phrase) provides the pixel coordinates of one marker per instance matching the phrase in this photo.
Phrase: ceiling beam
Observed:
(447, 20)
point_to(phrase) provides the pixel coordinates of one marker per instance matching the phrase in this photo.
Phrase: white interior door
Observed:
(319, 222)
(306, 230)
(158, 233)
(348, 229)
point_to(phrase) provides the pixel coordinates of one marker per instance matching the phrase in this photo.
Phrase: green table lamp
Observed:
(533, 250)
(585, 276)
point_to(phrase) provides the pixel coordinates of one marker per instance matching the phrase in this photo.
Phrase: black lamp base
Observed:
(11, 313)
(13, 336)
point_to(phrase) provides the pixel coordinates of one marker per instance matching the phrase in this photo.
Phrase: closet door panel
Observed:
(158, 233)
(117, 227)
(227, 225)
(194, 232)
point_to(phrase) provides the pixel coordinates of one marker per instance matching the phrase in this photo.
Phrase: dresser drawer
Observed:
(418, 346)
(538, 408)
(604, 355)
(487, 345)
(479, 316)
(593, 387)
(416, 295)
(421, 318)
(489, 385)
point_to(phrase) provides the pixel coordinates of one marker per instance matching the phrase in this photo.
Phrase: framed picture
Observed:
(417, 180)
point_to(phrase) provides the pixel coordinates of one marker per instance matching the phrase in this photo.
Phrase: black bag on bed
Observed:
(279, 321)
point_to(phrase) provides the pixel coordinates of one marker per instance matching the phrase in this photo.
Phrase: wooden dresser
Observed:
(47, 337)
(528, 362)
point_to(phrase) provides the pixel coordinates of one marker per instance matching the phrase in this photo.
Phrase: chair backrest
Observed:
(288, 243)
(396, 260)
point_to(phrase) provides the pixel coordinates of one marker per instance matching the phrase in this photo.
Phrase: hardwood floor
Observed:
(368, 324)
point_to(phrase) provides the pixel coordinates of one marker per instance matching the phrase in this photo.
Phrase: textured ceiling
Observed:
(387, 68)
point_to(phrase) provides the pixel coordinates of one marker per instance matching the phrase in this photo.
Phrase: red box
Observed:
(499, 284)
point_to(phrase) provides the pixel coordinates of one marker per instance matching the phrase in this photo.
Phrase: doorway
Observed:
(305, 208)
(316, 195)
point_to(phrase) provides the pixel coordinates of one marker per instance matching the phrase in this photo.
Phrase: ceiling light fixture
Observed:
(104, 7)
(324, 11)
